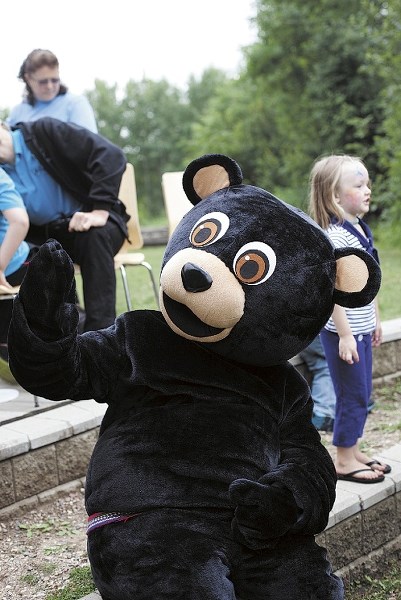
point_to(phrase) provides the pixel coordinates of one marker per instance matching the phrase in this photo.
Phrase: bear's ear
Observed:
(358, 277)
(208, 174)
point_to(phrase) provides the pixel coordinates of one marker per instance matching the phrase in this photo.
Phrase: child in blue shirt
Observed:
(14, 257)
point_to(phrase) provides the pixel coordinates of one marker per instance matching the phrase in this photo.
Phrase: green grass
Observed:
(142, 295)
(31, 579)
(62, 528)
(387, 587)
(390, 292)
(80, 584)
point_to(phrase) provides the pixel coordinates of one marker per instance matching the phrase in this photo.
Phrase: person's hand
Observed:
(347, 349)
(4, 282)
(82, 221)
(263, 512)
(47, 292)
(377, 335)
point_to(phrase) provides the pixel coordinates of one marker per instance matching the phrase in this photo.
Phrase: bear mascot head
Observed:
(208, 480)
(251, 277)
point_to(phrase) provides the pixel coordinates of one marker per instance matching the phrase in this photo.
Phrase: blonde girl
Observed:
(339, 198)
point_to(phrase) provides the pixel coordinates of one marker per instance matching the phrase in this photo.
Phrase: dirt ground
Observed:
(39, 548)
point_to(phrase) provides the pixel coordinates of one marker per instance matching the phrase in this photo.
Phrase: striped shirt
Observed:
(361, 320)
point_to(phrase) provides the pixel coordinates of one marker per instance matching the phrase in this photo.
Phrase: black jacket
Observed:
(84, 163)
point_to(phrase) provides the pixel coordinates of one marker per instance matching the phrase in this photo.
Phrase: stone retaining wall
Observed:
(365, 523)
(46, 450)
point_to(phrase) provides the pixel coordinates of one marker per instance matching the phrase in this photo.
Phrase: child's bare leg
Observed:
(348, 460)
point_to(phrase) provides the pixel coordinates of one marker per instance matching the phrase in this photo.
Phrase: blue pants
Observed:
(353, 387)
(322, 390)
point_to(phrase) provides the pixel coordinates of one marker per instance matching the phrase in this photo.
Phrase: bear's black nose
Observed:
(195, 279)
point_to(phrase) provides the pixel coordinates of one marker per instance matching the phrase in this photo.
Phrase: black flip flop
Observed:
(387, 468)
(350, 477)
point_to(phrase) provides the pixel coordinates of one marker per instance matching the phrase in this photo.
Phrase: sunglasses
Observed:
(52, 80)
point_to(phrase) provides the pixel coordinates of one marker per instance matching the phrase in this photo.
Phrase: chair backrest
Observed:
(128, 197)
(175, 201)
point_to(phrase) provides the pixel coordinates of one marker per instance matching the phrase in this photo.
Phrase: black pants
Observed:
(94, 252)
(6, 306)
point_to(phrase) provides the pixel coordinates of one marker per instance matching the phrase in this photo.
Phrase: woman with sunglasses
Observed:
(46, 96)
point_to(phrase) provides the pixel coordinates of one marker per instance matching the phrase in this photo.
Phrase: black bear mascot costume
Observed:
(208, 480)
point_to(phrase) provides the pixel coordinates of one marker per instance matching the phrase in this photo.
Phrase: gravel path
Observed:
(39, 548)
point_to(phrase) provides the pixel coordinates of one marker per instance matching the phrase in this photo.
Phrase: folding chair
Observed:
(175, 201)
(124, 258)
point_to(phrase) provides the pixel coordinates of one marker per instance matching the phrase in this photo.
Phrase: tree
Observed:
(237, 122)
(388, 63)
(150, 123)
(201, 91)
(313, 60)
(108, 110)
(156, 124)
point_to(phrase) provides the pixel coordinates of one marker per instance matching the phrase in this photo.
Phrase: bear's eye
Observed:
(254, 263)
(209, 229)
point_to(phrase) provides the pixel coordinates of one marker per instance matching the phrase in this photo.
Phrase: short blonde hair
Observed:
(323, 184)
